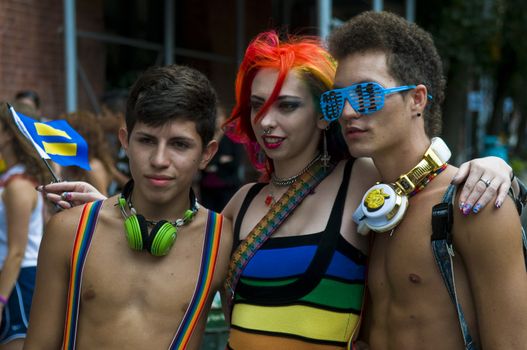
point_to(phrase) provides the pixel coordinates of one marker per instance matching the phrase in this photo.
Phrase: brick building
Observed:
(116, 39)
(32, 50)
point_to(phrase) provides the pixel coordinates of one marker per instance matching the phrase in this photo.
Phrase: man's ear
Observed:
(419, 99)
(209, 152)
(123, 138)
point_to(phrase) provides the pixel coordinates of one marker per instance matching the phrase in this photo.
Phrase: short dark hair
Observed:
(30, 94)
(411, 55)
(162, 94)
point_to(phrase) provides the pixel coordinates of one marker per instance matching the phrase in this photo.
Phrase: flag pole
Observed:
(55, 177)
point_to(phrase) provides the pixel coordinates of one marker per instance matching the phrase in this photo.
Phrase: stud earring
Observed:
(418, 114)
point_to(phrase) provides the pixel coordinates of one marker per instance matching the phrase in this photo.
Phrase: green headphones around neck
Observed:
(162, 237)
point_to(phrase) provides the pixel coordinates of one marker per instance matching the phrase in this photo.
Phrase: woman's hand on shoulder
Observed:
(486, 179)
(70, 194)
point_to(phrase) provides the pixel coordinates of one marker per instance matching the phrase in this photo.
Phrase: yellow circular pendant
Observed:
(375, 199)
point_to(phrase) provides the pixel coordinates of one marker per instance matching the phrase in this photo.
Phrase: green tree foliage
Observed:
(465, 31)
(480, 38)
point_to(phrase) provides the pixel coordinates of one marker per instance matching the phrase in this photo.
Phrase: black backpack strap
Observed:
(442, 248)
(521, 198)
(521, 201)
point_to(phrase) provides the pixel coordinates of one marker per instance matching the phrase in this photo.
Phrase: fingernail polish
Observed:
(466, 209)
(476, 208)
(461, 205)
(498, 204)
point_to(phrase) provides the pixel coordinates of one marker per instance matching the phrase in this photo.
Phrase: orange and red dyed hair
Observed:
(304, 55)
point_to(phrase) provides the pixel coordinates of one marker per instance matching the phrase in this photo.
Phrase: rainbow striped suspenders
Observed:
(187, 325)
(81, 246)
(209, 256)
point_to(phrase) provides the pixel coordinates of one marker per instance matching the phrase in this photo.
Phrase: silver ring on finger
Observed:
(486, 182)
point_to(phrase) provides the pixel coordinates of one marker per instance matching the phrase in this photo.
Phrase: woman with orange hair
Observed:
(303, 287)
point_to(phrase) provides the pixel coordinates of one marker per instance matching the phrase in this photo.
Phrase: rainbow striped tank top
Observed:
(300, 292)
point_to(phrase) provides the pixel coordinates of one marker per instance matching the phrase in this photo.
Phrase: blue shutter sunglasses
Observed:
(365, 98)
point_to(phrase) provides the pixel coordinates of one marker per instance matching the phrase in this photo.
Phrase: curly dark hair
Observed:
(162, 94)
(411, 55)
(24, 150)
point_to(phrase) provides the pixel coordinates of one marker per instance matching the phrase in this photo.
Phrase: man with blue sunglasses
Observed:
(389, 87)
(365, 98)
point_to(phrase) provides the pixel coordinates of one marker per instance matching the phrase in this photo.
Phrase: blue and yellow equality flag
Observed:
(55, 140)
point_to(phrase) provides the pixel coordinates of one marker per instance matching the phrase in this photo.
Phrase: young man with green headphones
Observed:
(148, 283)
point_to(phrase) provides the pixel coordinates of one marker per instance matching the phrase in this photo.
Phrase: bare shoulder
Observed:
(20, 183)
(364, 174)
(491, 230)
(59, 235)
(21, 188)
(226, 231)
(490, 220)
(231, 209)
(64, 222)
(62, 226)
(490, 245)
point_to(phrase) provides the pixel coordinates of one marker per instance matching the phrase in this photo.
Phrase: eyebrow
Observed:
(174, 138)
(279, 98)
(144, 133)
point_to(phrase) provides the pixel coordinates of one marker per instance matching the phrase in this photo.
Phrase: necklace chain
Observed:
(187, 217)
(288, 181)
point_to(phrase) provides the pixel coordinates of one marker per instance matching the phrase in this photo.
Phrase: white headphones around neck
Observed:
(384, 205)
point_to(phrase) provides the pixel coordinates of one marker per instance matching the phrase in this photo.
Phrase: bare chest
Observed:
(402, 265)
(122, 281)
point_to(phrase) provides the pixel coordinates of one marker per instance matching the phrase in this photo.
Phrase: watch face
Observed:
(375, 199)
